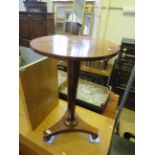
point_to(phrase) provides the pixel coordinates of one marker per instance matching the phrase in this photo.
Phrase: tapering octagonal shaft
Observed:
(73, 74)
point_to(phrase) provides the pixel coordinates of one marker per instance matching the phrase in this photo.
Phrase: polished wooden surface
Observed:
(38, 89)
(61, 127)
(69, 143)
(74, 47)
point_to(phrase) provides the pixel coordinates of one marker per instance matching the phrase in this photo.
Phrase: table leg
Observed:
(70, 121)
(73, 74)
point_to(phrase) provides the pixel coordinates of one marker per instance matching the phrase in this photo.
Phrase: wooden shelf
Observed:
(93, 70)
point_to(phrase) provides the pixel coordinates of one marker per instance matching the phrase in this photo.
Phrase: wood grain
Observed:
(74, 47)
(38, 89)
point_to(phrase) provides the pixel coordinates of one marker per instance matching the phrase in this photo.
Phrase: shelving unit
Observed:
(122, 70)
(98, 71)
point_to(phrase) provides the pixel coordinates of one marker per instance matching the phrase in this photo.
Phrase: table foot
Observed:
(94, 140)
(61, 127)
(49, 140)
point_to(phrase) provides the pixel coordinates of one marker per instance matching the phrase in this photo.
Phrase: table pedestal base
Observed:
(62, 127)
(70, 122)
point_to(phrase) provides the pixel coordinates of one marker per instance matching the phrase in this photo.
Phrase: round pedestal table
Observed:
(73, 49)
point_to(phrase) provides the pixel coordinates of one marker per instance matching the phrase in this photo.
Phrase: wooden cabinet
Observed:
(33, 25)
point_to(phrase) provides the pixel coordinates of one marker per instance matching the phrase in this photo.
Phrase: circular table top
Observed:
(74, 47)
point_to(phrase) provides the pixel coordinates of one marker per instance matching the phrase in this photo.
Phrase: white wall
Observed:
(119, 26)
(114, 24)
